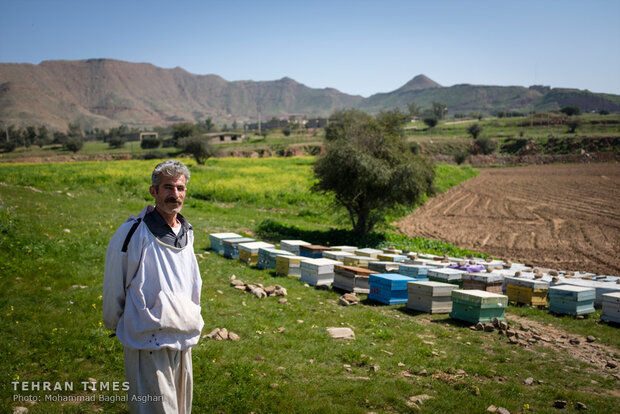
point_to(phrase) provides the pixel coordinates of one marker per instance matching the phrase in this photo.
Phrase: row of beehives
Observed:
(473, 290)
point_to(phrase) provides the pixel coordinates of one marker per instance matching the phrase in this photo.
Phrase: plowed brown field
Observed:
(557, 216)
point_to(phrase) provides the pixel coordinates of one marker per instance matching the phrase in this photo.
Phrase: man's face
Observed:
(170, 194)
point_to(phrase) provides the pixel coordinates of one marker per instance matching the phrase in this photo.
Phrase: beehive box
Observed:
(267, 257)
(352, 279)
(430, 262)
(289, 265)
(611, 307)
(317, 272)
(358, 261)
(216, 240)
(430, 297)
(571, 300)
(383, 267)
(292, 245)
(446, 275)
(313, 251)
(392, 249)
(531, 292)
(248, 252)
(490, 282)
(389, 288)
(351, 249)
(368, 252)
(391, 257)
(336, 254)
(419, 272)
(477, 305)
(231, 246)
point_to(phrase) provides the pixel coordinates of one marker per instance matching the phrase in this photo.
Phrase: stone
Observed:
(212, 334)
(574, 341)
(270, 290)
(259, 292)
(418, 399)
(503, 325)
(20, 410)
(351, 298)
(611, 364)
(492, 409)
(281, 291)
(554, 273)
(502, 410)
(341, 333)
(222, 334)
(529, 381)
(233, 336)
(495, 322)
(488, 327)
(559, 403)
(240, 287)
(513, 340)
(423, 373)
(590, 338)
(581, 406)
(282, 300)
(479, 326)
(375, 368)
(400, 364)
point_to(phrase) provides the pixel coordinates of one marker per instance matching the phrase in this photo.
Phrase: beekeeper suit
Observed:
(151, 297)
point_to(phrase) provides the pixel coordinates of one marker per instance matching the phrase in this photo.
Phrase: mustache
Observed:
(172, 200)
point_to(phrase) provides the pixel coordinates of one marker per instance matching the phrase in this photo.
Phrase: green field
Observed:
(56, 221)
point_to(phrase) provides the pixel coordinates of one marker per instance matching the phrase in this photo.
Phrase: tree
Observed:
(209, 124)
(439, 110)
(75, 138)
(43, 136)
(413, 109)
(474, 130)
(572, 125)
(199, 147)
(368, 167)
(182, 130)
(430, 122)
(571, 110)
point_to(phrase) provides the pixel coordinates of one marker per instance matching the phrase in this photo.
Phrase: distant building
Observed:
(224, 137)
(139, 136)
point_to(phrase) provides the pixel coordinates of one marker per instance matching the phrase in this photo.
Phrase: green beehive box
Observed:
(477, 305)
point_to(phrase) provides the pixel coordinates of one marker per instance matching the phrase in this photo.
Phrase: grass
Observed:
(56, 221)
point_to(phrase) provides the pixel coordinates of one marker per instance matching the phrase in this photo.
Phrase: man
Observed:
(151, 297)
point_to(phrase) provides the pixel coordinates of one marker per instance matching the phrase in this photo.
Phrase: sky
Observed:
(358, 47)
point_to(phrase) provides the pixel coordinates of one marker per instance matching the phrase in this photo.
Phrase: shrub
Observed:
(430, 122)
(474, 130)
(116, 141)
(150, 143)
(460, 157)
(74, 144)
(571, 110)
(153, 155)
(484, 145)
(572, 125)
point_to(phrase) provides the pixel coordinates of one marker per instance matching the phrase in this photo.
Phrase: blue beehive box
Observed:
(389, 288)
(571, 300)
(419, 272)
(231, 246)
(216, 240)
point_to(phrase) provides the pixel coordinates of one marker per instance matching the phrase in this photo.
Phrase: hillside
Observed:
(101, 93)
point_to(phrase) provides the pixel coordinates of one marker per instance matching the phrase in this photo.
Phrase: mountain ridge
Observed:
(101, 93)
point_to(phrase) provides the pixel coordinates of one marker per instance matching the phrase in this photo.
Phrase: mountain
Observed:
(103, 93)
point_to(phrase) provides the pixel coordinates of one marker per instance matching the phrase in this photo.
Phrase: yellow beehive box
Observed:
(288, 265)
(527, 296)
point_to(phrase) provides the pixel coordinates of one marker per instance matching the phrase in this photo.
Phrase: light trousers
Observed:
(159, 381)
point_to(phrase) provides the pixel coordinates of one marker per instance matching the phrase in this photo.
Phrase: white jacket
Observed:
(151, 293)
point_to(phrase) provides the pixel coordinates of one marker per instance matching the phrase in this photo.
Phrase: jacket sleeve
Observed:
(115, 278)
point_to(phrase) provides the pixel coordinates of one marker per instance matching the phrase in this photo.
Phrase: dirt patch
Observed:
(576, 346)
(555, 216)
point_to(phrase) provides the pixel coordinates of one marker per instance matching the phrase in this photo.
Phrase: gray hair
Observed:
(169, 168)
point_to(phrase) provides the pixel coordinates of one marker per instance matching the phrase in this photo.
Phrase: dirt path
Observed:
(556, 216)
